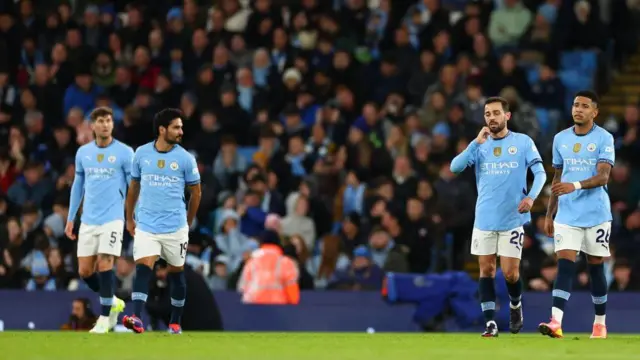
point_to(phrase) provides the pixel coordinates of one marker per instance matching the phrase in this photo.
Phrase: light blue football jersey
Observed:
(578, 157)
(161, 207)
(501, 167)
(102, 176)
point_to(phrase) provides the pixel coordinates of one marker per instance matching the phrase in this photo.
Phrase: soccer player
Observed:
(583, 156)
(161, 169)
(102, 173)
(501, 159)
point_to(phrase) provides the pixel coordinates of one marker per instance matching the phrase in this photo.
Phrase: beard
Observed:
(176, 140)
(498, 128)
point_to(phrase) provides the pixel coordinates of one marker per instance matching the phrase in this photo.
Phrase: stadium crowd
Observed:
(341, 116)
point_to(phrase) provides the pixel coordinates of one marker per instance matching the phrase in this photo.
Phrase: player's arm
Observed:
(77, 192)
(468, 156)
(552, 207)
(192, 180)
(194, 202)
(539, 179)
(465, 158)
(127, 164)
(132, 198)
(601, 178)
(134, 189)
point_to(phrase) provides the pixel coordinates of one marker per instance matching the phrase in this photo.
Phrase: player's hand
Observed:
(548, 227)
(68, 230)
(483, 135)
(525, 205)
(562, 189)
(131, 227)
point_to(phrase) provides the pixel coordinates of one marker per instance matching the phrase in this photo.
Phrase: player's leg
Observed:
(484, 244)
(146, 250)
(597, 248)
(109, 247)
(568, 242)
(87, 255)
(510, 251)
(174, 251)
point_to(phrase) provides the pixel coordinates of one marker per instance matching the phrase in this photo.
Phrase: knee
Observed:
(511, 274)
(85, 271)
(488, 269)
(105, 263)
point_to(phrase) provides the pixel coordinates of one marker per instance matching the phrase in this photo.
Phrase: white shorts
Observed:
(100, 239)
(592, 241)
(503, 243)
(171, 246)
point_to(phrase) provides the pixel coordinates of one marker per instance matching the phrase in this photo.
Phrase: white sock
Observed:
(557, 314)
(492, 322)
(600, 319)
(515, 306)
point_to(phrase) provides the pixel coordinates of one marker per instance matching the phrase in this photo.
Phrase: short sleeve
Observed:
(607, 151)
(191, 172)
(128, 160)
(557, 157)
(79, 167)
(135, 165)
(532, 154)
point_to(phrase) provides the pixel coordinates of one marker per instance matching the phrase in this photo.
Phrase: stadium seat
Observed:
(543, 119)
(584, 61)
(247, 152)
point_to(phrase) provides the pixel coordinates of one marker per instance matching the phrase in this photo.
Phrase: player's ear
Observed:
(507, 115)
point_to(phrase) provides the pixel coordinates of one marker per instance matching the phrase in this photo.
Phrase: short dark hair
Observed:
(498, 99)
(589, 95)
(101, 111)
(164, 118)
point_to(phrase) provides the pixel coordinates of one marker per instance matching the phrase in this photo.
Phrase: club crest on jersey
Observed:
(161, 164)
(558, 238)
(512, 150)
(577, 147)
(173, 166)
(591, 147)
(111, 159)
(100, 157)
(497, 151)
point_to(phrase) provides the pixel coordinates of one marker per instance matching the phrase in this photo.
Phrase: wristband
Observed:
(577, 185)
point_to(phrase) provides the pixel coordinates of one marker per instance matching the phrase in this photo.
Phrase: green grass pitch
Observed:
(299, 346)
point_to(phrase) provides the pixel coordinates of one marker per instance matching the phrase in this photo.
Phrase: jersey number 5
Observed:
(517, 239)
(114, 238)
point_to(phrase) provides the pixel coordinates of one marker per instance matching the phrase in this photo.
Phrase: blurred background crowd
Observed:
(339, 115)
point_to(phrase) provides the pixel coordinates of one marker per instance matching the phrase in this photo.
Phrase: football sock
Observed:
(93, 282)
(140, 288)
(598, 291)
(515, 292)
(106, 292)
(178, 286)
(487, 298)
(562, 287)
